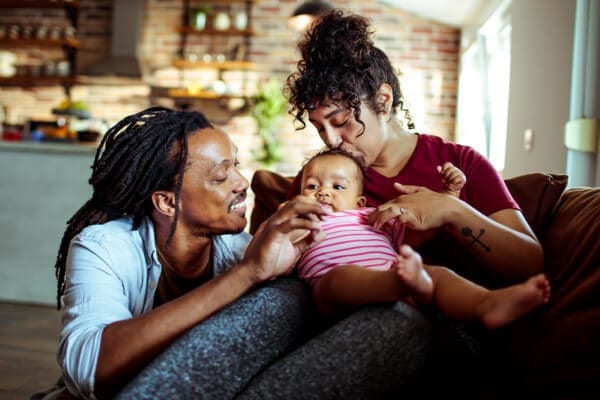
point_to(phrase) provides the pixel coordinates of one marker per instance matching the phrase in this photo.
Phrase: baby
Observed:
(358, 264)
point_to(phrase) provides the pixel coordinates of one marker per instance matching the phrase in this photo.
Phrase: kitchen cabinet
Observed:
(21, 36)
(48, 182)
(214, 36)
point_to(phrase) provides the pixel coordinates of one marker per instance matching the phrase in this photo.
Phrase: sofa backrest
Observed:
(536, 193)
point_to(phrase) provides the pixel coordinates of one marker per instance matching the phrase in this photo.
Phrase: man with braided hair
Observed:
(159, 248)
(165, 297)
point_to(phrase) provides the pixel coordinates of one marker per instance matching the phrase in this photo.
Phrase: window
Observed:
(482, 106)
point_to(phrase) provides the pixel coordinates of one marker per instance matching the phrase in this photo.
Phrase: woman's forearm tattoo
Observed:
(468, 232)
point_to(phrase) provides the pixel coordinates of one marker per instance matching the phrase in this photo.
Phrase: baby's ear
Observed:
(361, 201)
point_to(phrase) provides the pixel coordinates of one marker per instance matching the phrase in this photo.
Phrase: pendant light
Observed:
(304, 14)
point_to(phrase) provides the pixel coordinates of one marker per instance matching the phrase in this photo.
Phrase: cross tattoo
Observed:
(468, 232)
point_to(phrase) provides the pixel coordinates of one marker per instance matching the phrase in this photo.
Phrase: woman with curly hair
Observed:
(347, 88)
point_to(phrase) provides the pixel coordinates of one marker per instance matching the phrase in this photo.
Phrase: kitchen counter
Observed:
(48, 147)
(43, 184)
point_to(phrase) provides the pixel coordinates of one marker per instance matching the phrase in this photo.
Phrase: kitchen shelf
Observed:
(68, 44)
(211, 2)
(225, 65)
(30, 80)
(208, 31)
(202, 94)
(40, 4)
(232, 42)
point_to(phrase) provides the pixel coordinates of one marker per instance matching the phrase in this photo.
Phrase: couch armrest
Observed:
(270, 190)
(555, 350)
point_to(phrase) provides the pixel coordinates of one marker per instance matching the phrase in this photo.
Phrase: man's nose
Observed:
(322, 194)
(241, 182)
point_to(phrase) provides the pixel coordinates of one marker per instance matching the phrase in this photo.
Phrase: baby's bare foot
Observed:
(508, 304)
(410, 271)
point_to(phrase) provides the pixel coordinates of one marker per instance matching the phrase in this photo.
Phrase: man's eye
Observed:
(311, 186)
(339, 187)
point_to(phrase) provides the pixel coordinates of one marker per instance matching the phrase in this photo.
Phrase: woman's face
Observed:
(338, 127)
(213, 192)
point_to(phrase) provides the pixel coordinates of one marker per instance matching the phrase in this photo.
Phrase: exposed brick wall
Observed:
(426, 54)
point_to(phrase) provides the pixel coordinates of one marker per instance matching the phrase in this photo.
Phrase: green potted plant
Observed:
(269, 103)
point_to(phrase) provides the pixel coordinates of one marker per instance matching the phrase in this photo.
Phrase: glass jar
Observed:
(240, 20)
(222, 21)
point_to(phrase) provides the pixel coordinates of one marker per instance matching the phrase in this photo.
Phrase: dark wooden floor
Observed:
(28, 342)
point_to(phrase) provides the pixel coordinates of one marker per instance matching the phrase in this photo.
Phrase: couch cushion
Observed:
(537, 194)
(556, 350)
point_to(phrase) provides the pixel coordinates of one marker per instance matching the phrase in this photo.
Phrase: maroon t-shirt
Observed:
(485, 189)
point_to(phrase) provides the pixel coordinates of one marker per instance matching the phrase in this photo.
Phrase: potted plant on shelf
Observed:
(269, 103)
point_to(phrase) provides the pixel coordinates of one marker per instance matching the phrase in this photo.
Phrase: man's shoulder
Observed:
(118, 240)
(122, 227)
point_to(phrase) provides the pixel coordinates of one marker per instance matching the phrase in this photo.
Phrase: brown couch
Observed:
(554, 352)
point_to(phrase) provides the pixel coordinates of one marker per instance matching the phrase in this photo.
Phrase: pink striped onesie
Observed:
(351, 240)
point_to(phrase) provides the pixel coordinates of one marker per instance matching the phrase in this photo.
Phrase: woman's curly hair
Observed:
(339, 62)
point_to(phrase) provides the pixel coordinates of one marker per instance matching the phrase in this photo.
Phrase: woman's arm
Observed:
(502, 242)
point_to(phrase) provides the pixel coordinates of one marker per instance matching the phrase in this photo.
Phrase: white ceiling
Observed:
(455, 13)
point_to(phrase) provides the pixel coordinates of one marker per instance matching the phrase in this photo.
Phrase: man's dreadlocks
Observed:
(141, 154)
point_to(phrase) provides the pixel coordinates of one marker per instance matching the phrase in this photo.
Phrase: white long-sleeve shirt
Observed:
(112, 274)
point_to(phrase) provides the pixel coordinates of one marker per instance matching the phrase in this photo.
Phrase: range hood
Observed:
(122, 60)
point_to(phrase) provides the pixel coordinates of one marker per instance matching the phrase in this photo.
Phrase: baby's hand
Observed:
(453, 178)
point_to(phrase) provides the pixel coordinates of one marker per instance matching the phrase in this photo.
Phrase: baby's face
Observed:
(334, 181)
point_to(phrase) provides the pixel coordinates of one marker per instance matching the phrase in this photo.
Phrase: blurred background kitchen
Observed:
(495, 74)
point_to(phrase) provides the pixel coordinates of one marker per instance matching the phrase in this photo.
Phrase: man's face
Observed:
(334, 181)
(213, 192)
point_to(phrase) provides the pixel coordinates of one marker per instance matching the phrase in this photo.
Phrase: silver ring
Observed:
(402, 210)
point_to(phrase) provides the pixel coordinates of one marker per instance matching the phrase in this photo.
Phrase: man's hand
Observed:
(282, 238)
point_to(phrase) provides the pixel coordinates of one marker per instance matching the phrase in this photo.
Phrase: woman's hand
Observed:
(283, 237)
(418, 207)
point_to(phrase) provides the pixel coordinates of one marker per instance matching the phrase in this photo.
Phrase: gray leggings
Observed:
(250, 350)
